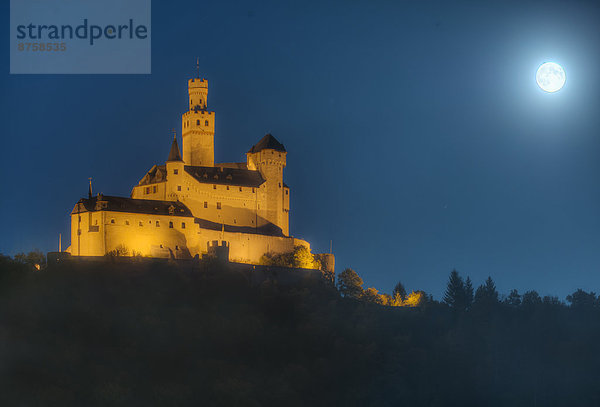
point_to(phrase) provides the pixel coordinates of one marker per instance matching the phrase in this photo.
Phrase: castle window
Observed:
(176, 247)
(170, 225)
(240, 189)
(287, 192)
(182, 225)
(157, 224)
(175, 171)
(218, 205)
(141, 223)
(197, 122)
(280, 185)
(206, 122)
(147, 190)
(154, 189)
(179, 187)
(127, 222)
(252, 190)
(214, 187)
(228, 187)
(234, 221)
(112, 221)
(205, 204)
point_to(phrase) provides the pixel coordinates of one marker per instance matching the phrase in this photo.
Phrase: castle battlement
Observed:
(202, 112)
(198, 83)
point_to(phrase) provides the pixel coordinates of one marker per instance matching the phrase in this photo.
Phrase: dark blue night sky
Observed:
(418, 139)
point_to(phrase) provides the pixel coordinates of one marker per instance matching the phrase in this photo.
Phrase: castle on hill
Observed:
(190, 204)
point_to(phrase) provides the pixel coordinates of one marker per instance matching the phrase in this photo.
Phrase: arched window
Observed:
(197, 122)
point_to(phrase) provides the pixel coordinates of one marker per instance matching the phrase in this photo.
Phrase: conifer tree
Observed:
(486, 294)
(399, 292)
(468, 293)
(455, 295)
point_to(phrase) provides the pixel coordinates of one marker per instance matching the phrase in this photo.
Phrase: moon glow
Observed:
(550, 77)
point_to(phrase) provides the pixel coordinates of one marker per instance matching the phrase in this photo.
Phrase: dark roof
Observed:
(174, 154)
(267, 142)
(268, 229)
(158, 173)
(121, 204)
(225, 176)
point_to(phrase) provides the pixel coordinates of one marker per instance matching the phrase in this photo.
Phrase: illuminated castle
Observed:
(179, 208)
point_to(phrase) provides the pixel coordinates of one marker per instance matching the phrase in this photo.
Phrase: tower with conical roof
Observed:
(268, 156)
(175, 169)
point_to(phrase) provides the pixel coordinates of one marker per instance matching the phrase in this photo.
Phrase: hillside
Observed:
(152, 334)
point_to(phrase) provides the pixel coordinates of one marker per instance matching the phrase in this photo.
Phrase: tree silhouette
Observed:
(486, 293)
(513, 299)
(582, 300)
(468, 293)
(531, 298)
(455, 295)
(399, 292)
(350, 284)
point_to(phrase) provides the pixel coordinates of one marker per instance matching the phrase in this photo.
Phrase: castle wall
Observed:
(156, 191)
(167, 236)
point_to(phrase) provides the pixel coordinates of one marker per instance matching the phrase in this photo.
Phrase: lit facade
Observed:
(179, 207)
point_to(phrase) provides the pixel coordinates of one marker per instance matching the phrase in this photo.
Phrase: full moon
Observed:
(550, 77)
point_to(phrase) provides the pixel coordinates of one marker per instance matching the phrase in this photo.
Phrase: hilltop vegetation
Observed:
(111, 334)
